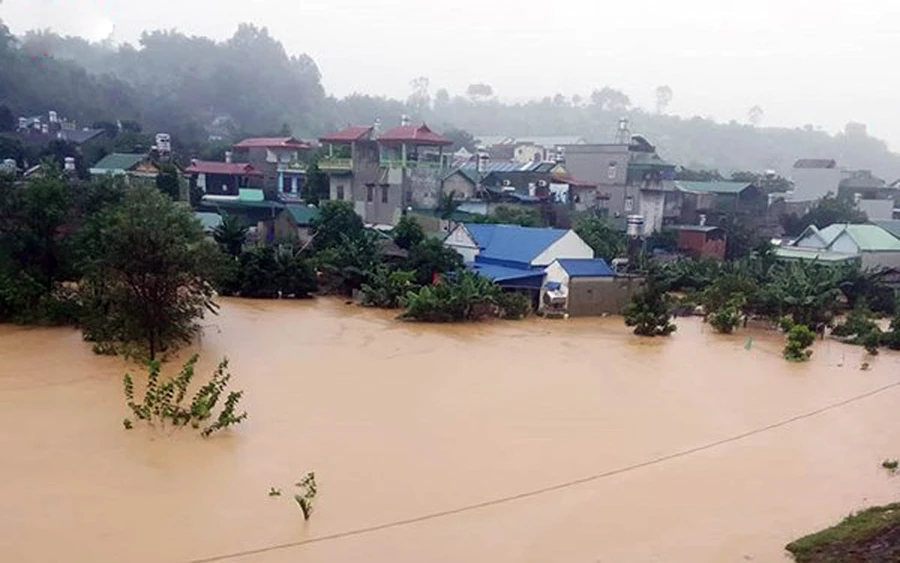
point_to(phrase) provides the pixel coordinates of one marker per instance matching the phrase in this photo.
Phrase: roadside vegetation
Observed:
(872, 535)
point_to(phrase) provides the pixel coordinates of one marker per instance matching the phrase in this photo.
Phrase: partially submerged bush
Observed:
(726, 319)
(387, 287)
(799, 339)
(162, 403)
(513, 305)
(649, 312)
(463, 296)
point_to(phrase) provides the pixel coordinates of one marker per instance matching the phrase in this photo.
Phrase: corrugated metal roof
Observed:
(272, 143)
(511, 243)
(225, 168)
(117, 161)
(712, 187)
(893, 227)
(815, 163)
(303, 214)
(794, 253)
(504, 274)
(421, 134)
(586, 267)
(869, 238)
(348, 134)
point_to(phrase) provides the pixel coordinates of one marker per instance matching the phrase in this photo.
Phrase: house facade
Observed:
(630, 178)
(585, 287)
(385, 174)
(701, 241)
(814, 179)
(282, 161)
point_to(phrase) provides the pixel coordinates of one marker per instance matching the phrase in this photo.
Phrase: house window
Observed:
(370, 193)
(384, 194)
(629, 204)
(611, 171)
(340, 192)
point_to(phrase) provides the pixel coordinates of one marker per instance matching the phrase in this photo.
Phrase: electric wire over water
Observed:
(548, 489)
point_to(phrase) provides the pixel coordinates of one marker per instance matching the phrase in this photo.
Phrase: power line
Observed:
(544, 490)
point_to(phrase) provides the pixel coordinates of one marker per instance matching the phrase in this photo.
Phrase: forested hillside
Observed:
(193, 86)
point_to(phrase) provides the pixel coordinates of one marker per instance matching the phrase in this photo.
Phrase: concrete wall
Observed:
(458, 185)
(424, 187)
(811, 184)
(600, 296)
(651, 204)
(880, 260)
(592, 163)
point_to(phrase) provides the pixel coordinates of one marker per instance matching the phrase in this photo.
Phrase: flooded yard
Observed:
(401, 421)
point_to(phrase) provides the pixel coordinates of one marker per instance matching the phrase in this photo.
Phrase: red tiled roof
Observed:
(349, 134)
(226, 168)
(271, 142)
(421, 135)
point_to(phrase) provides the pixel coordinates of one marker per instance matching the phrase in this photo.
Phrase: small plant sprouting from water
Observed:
(162, 402)
(308, 490)
(891, 465)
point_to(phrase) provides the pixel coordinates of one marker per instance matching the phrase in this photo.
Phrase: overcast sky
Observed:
(824, 62)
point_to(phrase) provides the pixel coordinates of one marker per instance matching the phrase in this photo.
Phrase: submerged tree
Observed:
(231, 234)
(148, 269)
(649, 312)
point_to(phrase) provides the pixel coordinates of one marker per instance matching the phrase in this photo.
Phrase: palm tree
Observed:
(231, 234)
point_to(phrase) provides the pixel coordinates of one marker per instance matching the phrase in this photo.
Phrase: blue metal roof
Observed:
(511, 243)
(586, 267)
(509, 277)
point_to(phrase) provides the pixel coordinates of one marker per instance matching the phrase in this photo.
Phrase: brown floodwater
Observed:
(401, 420)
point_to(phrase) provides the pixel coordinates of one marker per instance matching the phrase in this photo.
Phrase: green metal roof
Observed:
(873, 238)
(248, 195)
(117, 162)
(303, 214)
(713, 187)
(824, 256)
(892, 227)
(208, 219)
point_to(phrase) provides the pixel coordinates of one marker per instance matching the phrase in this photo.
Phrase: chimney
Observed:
(228, 157)
(23, 123)
(702, 220)
(45, 129)
(69, 164)
(53, 117)
(193, 162)
(404, 120)
(376, 127)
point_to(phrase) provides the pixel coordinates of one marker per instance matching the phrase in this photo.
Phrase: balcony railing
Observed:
(293, 166)
(335, 164)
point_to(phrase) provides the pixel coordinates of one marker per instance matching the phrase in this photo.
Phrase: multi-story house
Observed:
(223, 179)
(281, 160)
(385, 174)
(631, 179)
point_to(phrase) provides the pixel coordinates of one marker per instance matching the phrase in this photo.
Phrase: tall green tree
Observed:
(148, 270)
(336, 220)
(827, 211)
(408, 232)
(607, 242)
(231, 234)
(168, 181)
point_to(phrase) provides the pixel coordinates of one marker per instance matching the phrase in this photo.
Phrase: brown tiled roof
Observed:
(421, 135)
(271, 142)
(226, 168)
(349, 134)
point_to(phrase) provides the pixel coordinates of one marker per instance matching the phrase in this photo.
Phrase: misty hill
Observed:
(249, 85)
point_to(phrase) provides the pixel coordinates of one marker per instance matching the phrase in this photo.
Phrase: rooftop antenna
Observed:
(623, 133)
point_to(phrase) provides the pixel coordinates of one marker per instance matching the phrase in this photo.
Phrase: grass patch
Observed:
(872, 535)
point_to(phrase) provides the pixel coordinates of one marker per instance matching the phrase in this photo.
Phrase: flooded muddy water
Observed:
(401, 421)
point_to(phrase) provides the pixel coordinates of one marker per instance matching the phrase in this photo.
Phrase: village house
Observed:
(712, 199)
(385, 174)
(135, 169)
(527, 150)
(224, 179)
(870, 194)
(580, 287)
(280, 160)
(630, 176)
(701, 241)
(870, 246)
